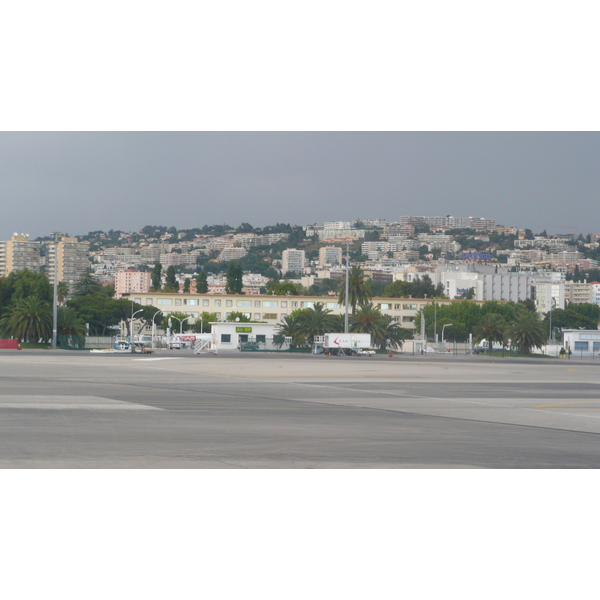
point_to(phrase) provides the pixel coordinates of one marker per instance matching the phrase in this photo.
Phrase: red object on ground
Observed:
(391, 354)
(9, 345)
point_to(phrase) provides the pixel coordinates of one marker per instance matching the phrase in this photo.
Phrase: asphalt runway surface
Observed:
(61, 409)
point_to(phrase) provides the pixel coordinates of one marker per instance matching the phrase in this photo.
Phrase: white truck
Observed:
(350, 344)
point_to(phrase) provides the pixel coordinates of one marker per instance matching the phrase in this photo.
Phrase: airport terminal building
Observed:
(271, 309)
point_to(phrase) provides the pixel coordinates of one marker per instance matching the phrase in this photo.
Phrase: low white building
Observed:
(582, 342)
(230, 335)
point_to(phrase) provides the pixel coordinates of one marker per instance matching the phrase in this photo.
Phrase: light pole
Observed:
(158, 312)
(347, 286)
(444, 327)
(552, 305)
(435, 321)
(180, 322)
(55, 300)
(131, 326)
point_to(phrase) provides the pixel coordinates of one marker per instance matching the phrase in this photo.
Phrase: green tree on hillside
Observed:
(171, 285)
(155, 277)
(234, 278)
(201, 283)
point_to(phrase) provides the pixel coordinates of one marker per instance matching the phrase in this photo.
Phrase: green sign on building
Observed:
(243, 329)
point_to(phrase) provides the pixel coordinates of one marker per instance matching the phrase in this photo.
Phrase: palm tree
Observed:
(383, 329)
(491, 328)
(62, 291)
(290, 327)
(317, 321)
(358, 289)
(71, 328)
(30, 319)
(527, 331)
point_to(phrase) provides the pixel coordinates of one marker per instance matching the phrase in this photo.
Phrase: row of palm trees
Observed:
(30, 320)
(526, 331)
(303, 325)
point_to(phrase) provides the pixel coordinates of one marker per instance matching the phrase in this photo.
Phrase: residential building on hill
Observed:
(293, 260)
(18, 254)
(67, 258)
(131, 281)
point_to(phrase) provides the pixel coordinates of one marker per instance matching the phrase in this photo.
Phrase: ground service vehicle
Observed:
(350, 344)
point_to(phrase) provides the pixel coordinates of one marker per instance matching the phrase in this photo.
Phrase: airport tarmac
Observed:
(62, 409)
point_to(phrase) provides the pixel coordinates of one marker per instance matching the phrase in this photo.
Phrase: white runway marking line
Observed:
(69, 402)
(162, 358)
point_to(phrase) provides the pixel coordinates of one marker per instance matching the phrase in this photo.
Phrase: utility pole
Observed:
(347, 275)
(55, 295)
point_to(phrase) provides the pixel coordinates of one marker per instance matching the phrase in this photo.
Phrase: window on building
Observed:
(408, 319)
(256, 316)
(177, 301)
(217, 303)
(332, 305)
(385, 306)
(283, 304)
(261, 339)
(596, 346)
(294, 305)
(205, 302)
(409, 307)
(226, 338)
(271, 316)
(228, 302)
(244, 303)
(269, 303)
(396, 307)
(164, 301)
(218, 315)
(149, 301)
(257, 304)
(191, 302)
(581, 345)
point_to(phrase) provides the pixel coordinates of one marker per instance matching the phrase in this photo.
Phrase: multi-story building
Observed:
(595, 292)
(131, 281)
(578, 292)
(68, 258)
(338, 224)
(228, 254)
(271, 309)
(18, 254)
(548, 296)
(330, 255)
(175, 258)
(293, 260)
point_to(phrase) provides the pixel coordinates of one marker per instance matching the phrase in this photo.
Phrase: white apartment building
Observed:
(131, 281)
(489, 285)
(174, 258)
(338, 224)
(324, 234)
(548, 296)
(68, 258)
(18, 254)
(330, 255)
(595, 292)
(578, 293)
(293, 260)
(232, 253)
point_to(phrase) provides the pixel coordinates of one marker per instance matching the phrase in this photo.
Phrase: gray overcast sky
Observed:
(79, 182)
